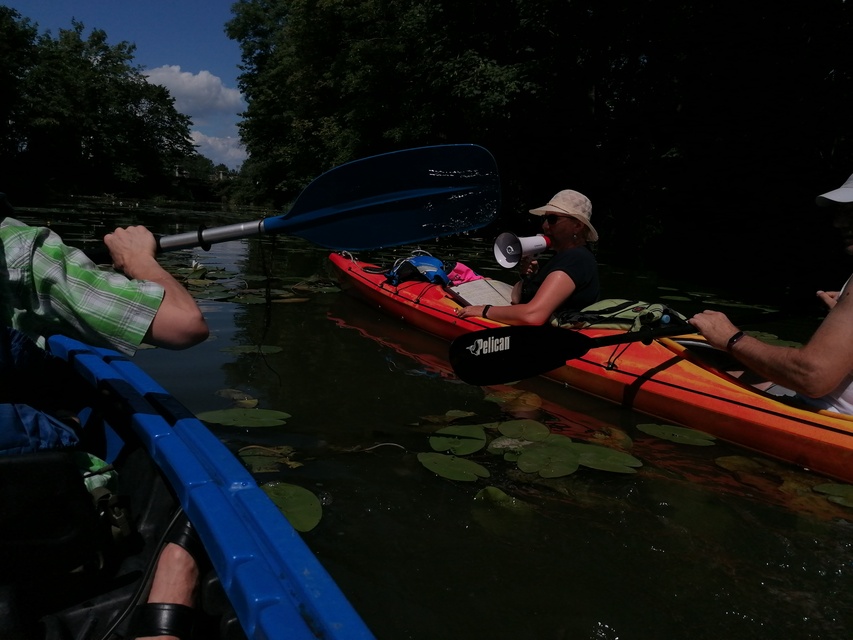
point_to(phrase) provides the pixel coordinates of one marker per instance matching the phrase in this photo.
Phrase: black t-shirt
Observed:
(580, 265)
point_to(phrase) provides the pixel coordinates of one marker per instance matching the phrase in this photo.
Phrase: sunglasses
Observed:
(552, 218)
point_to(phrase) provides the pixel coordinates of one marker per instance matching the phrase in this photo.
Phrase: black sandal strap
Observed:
(184, 535)
(162, 619)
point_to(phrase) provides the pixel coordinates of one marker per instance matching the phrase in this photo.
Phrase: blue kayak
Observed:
(265, 583)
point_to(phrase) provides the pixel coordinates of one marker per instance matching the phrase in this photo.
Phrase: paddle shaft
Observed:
(206, 237)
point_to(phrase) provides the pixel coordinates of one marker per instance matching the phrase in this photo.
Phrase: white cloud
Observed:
(228, 150)
(213, 107)
(197, 95)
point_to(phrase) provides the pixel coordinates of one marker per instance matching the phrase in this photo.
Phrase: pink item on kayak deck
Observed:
(462, 273)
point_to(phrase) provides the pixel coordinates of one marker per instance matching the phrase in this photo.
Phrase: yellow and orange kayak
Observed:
(667, 379)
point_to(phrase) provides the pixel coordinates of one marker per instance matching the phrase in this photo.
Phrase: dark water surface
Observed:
(703, 542)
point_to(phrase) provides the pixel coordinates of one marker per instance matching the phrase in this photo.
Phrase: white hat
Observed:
(841, 195)
(570, 203)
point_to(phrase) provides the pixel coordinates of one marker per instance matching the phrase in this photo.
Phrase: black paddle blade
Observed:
(506, 354)
(396, 198)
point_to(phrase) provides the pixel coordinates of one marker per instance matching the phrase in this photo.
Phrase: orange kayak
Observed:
(669, 379)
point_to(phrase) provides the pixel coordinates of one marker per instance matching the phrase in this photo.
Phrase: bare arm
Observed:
(179, 323)
(555, 289)
(814, 370)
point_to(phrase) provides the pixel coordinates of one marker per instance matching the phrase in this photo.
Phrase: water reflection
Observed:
(703, 542)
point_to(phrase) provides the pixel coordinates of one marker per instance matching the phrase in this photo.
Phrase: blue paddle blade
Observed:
(397, 198)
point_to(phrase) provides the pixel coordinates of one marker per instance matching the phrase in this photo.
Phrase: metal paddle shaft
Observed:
(505, 354)
(402, 197)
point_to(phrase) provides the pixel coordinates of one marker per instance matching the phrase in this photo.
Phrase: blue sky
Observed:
(180, 44)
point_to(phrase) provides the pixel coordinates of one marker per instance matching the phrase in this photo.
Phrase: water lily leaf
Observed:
(549, 460)
(504, 444)
(605, 459)
(741, 464)
(459, 440)
(450, 416)
(524, 401)
(249, 299)
(252, 348)
(838, 493)
(290, 300)
(267, 459)
(452, 467)
(212, 295)
(515, 400)
(219, 274)
(301, 507)
(496, 497)
(525, 430)
(681, 435)
(233, 394)
(245, 417)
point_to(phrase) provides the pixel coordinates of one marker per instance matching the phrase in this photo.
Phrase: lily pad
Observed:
(245, 417)
(266, 349)
(525, 430)
(448, 417)
(267, 459)
(459, 440)
(452, 467)
(605, 459)
(496, 497)
(838, 493)
(504, 445)
(549, 459)
(301, 507)
(249, 300)
(233, 394)
(681, 435)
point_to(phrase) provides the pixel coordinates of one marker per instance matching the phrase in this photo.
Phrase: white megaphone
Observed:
(509, 248)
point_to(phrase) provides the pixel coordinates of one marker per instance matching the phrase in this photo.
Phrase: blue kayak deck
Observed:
(274, 582)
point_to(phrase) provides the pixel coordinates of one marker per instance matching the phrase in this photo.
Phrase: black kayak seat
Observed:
(49, 524)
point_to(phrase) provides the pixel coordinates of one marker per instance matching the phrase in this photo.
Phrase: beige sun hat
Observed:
(570, 203)
(841, 195)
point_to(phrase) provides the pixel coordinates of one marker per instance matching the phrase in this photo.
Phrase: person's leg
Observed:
(175, 581)
(169, 611)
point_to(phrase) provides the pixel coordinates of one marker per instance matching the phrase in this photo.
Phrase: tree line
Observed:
(78, 116)
(701, 131)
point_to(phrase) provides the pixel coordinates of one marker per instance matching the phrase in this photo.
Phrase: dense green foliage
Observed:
(700, 130)
(78, 116)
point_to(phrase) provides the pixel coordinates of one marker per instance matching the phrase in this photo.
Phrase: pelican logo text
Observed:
(489, 345)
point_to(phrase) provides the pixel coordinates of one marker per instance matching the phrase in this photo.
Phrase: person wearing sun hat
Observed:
(821, 371)
(567, 281)
(573, 204)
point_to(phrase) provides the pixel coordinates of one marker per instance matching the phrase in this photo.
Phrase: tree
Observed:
(89, 120)
(17, 56)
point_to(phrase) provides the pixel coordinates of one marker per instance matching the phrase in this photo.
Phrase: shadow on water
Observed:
(701, 542)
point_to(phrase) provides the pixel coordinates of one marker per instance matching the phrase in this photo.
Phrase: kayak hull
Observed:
(667, 379)
(265, 583)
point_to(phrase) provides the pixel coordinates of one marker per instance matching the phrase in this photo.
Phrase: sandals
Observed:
(168, 619)
(162, 619)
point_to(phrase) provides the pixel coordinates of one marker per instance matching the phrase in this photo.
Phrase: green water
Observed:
(685, 548)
